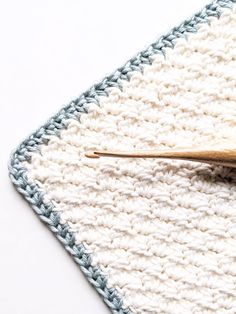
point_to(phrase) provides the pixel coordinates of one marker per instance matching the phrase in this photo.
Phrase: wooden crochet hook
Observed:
(215, 155)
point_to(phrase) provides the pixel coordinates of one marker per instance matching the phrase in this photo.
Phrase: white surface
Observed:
(51, 51)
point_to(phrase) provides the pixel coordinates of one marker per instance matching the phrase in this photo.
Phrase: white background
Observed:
(50, 52)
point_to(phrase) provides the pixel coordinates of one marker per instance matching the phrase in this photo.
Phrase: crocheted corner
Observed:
(36, 196)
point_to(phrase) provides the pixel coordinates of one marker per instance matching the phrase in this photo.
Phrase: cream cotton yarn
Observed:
(163, 232)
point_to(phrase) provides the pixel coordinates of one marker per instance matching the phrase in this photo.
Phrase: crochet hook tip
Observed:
(98, 154)
(92, 155)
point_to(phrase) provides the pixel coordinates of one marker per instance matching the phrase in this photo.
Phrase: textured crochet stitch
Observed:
(150, 237)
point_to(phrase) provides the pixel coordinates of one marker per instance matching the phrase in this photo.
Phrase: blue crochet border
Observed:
(32, 192)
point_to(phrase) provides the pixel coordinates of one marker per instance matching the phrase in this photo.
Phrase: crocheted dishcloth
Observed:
(151, 236)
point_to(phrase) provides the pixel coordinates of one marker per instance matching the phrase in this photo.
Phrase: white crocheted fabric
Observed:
(163, 232)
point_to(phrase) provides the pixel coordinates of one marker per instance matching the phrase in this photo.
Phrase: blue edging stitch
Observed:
(32, 192)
